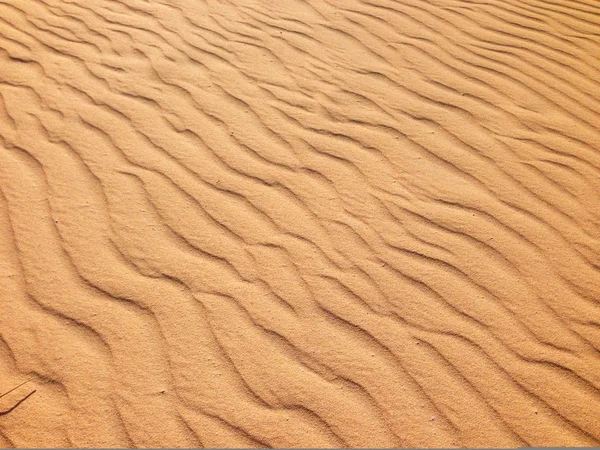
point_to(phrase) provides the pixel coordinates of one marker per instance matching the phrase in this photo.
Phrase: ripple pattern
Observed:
(297, 223)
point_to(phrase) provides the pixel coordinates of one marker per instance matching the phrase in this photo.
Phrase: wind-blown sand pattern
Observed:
(300, 223)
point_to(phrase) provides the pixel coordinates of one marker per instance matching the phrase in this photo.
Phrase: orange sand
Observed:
(300, 223)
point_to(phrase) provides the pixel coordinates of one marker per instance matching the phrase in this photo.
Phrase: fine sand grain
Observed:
(300, 223)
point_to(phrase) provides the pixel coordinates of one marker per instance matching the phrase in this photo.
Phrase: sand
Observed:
(299, 223)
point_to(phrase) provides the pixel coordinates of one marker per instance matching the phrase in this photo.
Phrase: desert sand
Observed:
(314, 223)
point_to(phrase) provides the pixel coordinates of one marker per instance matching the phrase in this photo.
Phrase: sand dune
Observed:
(300, 223)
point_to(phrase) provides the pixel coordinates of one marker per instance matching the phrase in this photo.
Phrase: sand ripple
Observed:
(300, 223)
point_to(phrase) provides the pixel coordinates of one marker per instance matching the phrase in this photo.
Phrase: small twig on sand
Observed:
(5, 412)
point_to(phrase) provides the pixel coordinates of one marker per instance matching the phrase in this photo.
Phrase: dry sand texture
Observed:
(300, 222)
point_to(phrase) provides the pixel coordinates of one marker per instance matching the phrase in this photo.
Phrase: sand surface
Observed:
(300, 223)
